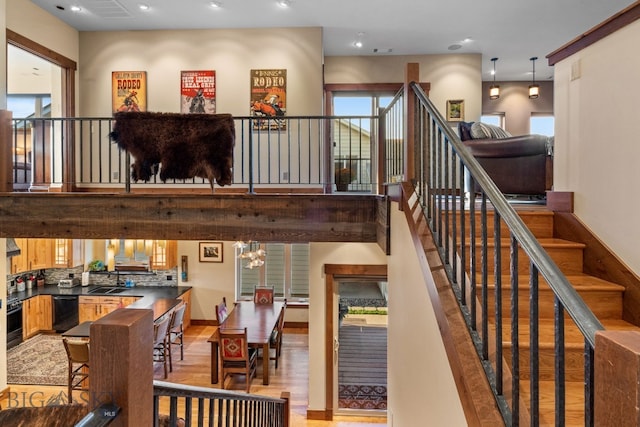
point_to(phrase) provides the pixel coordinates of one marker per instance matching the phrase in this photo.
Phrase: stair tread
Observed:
(580, 282)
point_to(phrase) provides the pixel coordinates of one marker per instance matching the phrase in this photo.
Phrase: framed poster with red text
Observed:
(198, 91)
(129, 91)
(269, 98)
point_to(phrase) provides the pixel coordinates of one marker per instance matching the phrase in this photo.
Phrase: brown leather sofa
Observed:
(518, 164)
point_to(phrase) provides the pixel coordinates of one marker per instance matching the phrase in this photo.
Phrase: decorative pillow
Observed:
(483, 131)
(464, 131)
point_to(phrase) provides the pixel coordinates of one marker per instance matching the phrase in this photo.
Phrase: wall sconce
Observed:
(494, 89)
(534, 89)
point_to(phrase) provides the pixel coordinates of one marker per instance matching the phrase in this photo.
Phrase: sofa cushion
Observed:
(483, 131)
(464, 131)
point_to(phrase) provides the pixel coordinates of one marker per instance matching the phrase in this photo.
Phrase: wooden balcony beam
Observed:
(262, 217)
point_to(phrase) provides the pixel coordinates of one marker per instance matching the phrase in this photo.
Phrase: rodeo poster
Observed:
(269, 98)
(198, 92)
(129, 91)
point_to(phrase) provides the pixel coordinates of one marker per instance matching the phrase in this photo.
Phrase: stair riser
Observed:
(574, 363)
(604, 304)
(569, 260)
(540, 225)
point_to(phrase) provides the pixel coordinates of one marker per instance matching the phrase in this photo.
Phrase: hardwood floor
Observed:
(292, 375)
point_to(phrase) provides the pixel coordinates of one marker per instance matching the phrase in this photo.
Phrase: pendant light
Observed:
(494, 89)
(534, 89)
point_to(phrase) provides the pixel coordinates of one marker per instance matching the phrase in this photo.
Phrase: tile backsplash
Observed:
(157, 278)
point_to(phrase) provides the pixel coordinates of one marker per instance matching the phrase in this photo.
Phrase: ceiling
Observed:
(512, 30)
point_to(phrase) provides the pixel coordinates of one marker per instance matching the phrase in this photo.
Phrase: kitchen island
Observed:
(93, 302)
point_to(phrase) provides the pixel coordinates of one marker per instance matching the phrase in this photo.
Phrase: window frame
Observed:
(280, 293)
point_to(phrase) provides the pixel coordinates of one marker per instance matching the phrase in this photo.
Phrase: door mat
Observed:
(352, 396)
(40, 360)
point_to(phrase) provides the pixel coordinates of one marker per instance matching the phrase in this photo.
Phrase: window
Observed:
(496, 119)
(542, 124)
(286, 266)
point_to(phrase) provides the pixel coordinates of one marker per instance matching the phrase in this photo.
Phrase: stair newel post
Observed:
(121, 365)
(6, 157)
(616, 379)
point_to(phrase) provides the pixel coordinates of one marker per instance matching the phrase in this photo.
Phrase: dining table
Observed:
(260, 321)
(161, 307)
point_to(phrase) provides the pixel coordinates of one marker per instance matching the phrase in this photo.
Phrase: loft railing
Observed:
(76, 154)
(207, 406)
(439, 161)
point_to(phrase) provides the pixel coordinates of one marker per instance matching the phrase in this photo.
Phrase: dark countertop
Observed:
(148, 294)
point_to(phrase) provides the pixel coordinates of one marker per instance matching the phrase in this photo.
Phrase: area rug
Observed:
(40, 360)
(351, 396)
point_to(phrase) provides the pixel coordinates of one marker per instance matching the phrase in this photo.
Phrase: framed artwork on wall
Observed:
(211, 251)
(268, 98)
(455, 110)
(129, 91)
(198, 91)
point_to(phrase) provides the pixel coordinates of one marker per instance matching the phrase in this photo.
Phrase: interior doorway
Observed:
(362, 346)
(52, 96)
(334, 275)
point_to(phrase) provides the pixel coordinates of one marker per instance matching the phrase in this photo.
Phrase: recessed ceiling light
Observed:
(467, 40)
(216, 4)
(454, 47)
(284, 3)
(143, 6)
(357, 44)
(75, 9)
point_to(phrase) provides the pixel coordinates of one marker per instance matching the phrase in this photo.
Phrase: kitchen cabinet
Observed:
(186, 320)
(37, 315)
(164, 255)
(37, 254)
(94, 307)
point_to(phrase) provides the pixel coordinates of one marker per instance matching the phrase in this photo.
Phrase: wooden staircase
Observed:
(604, 298)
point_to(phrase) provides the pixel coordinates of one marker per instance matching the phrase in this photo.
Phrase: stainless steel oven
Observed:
(14, 322)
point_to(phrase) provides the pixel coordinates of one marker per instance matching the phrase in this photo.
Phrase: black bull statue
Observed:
(186, 145)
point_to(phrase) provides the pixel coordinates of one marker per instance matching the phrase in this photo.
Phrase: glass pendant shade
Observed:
(534, 89)
(494, 91)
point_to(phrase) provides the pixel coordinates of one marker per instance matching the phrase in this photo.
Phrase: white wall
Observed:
(232, 53)
(34, 23)
(597, 147)
(422, 390)
(451, 76)
(210, 281)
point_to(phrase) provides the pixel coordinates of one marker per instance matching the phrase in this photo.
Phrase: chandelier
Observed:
(252, 252)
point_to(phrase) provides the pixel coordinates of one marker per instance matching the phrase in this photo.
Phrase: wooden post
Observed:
(6, 155)
(121, 365)
(412, 74)
(617, 379)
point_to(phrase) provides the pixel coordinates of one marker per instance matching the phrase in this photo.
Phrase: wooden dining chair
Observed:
(78, 365)
(175, 335)
(236, 356)
(161, 342)
(263, 294)
(275, 341)
(222, 311)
